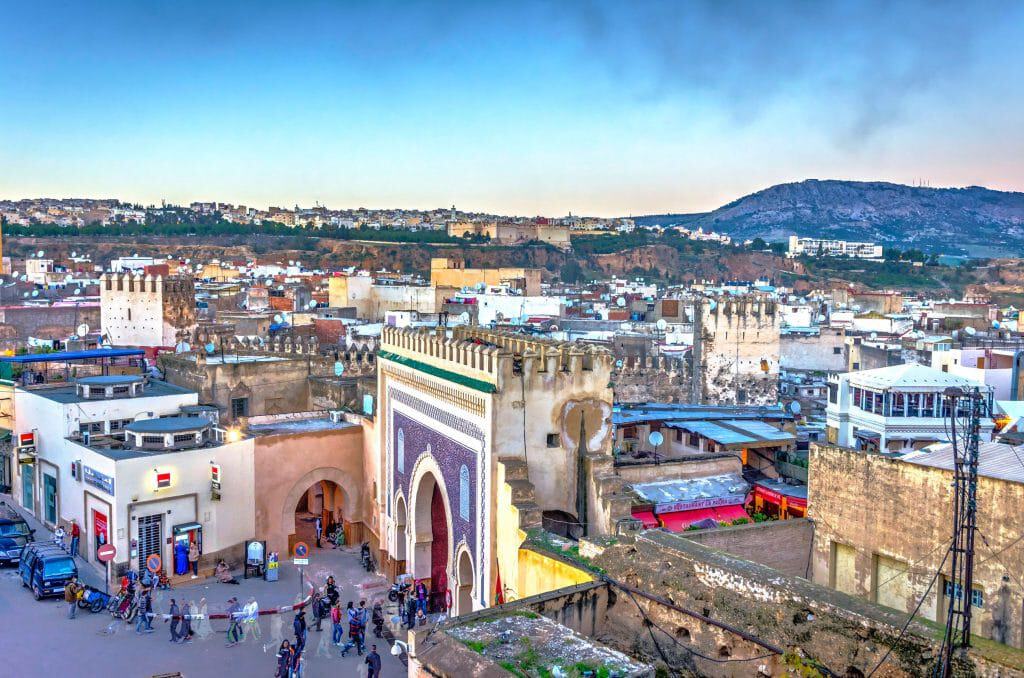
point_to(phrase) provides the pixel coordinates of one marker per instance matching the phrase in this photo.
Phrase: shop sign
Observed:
(692, 504)
(163, 479)
(97, 479)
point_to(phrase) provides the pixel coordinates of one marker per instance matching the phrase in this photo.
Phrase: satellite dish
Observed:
(24, 278)
(25, 294)
(210, 347)
(74, 254)
(553, 328)
(620, 302)
(995, 325)
(83, 329)
(311, 305)
(182, 347)
(794, 407)
(280, 288)
(40, 254)
(278, 319)
(35, 293)
(68, 278)
(339, 368)
(77, 292)
(618, 363)
(970, 331)
(712, 305)
(656, 438)
(873, 336)
(662, 325)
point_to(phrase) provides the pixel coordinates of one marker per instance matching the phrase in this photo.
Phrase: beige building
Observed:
(883, 525)
(482, 435)
(737, 344)
(452, 272)
(509, 233)
(372, 301)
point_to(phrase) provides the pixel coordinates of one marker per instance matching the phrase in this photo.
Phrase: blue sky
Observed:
(526, 108)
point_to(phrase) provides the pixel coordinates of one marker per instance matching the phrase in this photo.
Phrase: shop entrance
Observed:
(151, 531)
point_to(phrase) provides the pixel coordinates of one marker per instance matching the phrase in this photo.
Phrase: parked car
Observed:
(46, 568)
(14, 534)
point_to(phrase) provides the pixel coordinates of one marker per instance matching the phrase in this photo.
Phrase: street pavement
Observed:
(39, 639)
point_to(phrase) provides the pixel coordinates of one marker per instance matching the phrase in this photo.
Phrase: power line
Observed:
(912, 614)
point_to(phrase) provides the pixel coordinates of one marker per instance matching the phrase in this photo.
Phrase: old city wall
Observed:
(740, 350)
(781, 544)
(652, 379)
(876, 517)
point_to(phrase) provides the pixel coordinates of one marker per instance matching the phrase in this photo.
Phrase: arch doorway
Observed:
(464, 598)
(431, 552)
(323, 499)
(563, 524)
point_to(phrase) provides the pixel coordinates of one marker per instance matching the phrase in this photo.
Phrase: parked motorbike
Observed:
(402, 586)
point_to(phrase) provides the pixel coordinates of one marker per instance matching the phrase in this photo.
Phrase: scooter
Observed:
(402, 586)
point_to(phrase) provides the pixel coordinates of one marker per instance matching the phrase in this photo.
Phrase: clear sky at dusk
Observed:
(522, 108)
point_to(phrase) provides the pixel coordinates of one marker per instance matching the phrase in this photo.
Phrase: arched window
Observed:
(401, 451)
(464, 492)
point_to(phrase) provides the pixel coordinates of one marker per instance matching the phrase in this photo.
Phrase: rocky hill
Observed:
(972, 220)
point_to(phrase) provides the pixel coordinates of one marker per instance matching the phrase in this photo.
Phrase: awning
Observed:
(677, 521)
(647, 518)
(186, 527)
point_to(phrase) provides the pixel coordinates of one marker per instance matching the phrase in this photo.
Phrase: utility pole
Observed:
(965, 507)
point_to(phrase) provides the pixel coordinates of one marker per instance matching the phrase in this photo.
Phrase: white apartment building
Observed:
(895, 409)
(990, 366)
(814, 247)
(133, 462)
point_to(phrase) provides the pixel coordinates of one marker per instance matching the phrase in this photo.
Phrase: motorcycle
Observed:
(93, 599)
(402, 586)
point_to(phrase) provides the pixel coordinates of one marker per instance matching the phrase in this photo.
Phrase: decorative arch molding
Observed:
(426, 464)
(462, 551)
(343, 480)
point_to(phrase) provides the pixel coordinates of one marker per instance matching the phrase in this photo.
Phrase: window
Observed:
(91, 427)
(400, 451)
(837, 350)
(977, 594)
(152, 440)
(464, 492)
(552, 440)
(239, 407)
(184, 437)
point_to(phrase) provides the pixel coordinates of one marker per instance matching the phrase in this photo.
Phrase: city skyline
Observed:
(537, 109)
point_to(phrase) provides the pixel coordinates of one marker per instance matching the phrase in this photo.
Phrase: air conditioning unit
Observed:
(336, 416)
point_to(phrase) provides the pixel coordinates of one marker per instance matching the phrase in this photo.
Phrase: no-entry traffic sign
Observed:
(106, 553)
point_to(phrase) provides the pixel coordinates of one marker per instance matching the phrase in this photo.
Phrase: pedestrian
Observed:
(75, 534)
(336, 626)
(364, 620)
(378, 620)
(144, 621)
(203, 627)
(58, 536)
(319, 530)
(234, 624)
(401, 603)
(193, 559)
(187, 615)
(285, 658)
(410, 612)
(331, 591)
(422, 595)
(175, 619)
(373, 663)
(251, 612)
(72, 592)
(299, 627)
(316, 604)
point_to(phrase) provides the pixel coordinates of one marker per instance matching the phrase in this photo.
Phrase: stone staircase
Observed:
(523, 494)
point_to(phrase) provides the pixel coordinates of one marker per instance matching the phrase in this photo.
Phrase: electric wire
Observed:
(913, 614)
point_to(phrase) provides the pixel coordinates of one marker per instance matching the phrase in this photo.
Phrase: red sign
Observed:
(27, 439)
(163, 479)
(106, 553)
(153, 563)
(215, 473)
(99, 527)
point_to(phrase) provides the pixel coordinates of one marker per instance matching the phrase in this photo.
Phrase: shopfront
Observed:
(701, 502)
(779, 500)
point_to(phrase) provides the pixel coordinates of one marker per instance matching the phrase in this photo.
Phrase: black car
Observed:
(14, 534)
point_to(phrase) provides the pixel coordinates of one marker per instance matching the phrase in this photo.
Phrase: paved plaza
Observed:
(39, 639)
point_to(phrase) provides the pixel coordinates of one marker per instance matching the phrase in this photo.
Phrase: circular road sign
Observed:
(106, 553)
(153, 563)
(301, 549)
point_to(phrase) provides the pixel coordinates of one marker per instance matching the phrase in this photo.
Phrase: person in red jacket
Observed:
(75, 534)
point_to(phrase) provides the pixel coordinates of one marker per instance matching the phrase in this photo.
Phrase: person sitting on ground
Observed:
(223, 573)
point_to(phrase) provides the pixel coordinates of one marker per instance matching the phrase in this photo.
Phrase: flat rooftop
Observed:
(303, 422)
(68, 393)
(228, 359)
(531, 643)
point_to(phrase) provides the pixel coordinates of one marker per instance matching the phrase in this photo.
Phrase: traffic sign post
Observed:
(300, 557)
(105, 554)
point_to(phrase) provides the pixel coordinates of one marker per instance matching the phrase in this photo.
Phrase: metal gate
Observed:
(151, 535)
